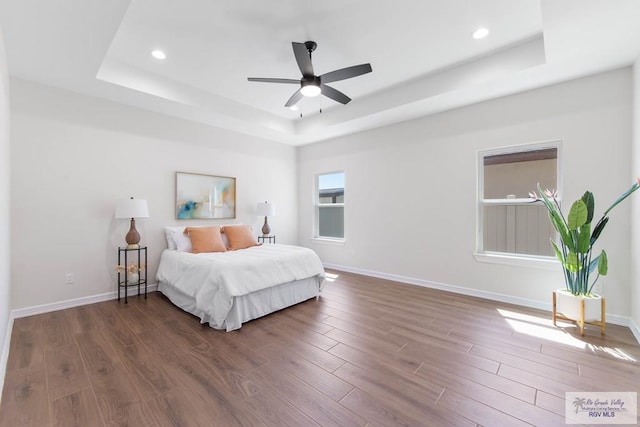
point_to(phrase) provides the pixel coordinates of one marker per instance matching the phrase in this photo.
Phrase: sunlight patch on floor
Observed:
(615, 352)
(541, 327)
(545, 332)
(330, 277)
(525, 317)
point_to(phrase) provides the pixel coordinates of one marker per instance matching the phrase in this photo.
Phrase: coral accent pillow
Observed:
(240, 236)
(205, 239)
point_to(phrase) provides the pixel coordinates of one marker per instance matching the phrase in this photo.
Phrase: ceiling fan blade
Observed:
(270, 80)
(334, 94)
(297, 96)
(303, 59)
(345, 73)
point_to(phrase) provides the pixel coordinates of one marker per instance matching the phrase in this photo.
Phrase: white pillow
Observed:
(181, 240)
(169, 233)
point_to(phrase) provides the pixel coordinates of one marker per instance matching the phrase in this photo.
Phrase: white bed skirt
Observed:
(250, 306)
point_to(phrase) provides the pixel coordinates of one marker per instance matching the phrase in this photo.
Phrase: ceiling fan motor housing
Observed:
(311, 80)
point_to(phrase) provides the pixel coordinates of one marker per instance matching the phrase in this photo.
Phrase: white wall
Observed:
(635, 206)
(410, 188)
(73, 156)
(4, 208)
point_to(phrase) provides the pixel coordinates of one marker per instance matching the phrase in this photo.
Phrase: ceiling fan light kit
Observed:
(158, 54)
(312, 85)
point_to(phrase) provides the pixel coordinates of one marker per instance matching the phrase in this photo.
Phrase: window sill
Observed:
(328, 241)
(546, 263)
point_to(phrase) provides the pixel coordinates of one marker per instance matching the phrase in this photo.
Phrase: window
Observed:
(330, 206)
(509, 223)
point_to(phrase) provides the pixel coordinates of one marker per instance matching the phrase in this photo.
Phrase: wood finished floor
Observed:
(370, 352)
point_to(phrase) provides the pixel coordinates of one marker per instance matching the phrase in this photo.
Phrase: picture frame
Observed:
(200, 196)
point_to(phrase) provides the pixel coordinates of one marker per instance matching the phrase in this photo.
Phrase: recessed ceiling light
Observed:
(480, 33)
(294, 107)
(158, 54)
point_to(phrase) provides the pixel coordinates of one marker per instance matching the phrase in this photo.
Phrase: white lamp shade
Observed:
(132, 208)
(266, 209)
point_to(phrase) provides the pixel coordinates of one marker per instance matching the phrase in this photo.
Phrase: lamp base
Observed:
(266, 229)
(133, 237)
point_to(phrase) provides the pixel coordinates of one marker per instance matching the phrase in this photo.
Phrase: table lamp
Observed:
(266, 209)
(132, 208)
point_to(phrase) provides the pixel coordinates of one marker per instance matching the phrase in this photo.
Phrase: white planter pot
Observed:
(133, 278)
(569, 305)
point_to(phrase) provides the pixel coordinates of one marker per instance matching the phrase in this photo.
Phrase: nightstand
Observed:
(133, 271)
(267, 239)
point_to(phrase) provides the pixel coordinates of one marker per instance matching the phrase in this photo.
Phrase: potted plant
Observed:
(133, 271)
(577, 238)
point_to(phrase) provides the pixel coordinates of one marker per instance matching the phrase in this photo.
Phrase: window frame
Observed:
(318, 205)
(518, 259)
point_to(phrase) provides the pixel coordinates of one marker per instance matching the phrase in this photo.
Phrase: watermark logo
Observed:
(601, 407)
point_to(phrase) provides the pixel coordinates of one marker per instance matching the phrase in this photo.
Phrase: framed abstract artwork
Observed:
(205, 196)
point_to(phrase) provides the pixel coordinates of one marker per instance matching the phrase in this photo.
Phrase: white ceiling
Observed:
(423, 57)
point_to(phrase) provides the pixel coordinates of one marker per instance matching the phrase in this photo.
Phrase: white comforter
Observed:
(213, 279)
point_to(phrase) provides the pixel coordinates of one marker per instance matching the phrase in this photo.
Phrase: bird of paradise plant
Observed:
(577, 238)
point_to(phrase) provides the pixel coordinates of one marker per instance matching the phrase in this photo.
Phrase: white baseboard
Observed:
(61, 305)
(542, 305)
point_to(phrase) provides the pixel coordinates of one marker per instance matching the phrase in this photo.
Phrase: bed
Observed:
(230, 288)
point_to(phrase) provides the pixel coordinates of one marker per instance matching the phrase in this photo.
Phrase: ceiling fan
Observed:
(312, 85)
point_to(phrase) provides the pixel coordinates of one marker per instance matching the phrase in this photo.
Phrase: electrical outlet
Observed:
(69, 279)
